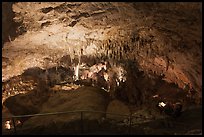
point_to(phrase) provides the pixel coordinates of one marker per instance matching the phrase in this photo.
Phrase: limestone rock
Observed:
(117, 107)
(84, 98)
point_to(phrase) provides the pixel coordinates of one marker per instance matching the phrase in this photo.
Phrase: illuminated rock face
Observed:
(159, 39)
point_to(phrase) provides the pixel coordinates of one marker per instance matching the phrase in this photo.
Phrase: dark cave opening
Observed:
(10, 29)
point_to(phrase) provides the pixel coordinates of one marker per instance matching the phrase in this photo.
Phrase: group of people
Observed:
(171, 109)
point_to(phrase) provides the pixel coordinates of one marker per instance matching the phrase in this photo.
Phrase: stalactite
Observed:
(112, 46)
(118, 52)
(138, 45)
(110, 55)
(109, 46)
(125, 48)
(120, 44)
(113, 55)
(129, 44)
(87, 42)
(114, 43)
(108, 42)
(134, 45)
(106, 52)
(120, 56)
(167, 62)
(103, 45)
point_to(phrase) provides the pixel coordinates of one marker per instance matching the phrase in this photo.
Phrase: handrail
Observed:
(64, 112)
(130, 116)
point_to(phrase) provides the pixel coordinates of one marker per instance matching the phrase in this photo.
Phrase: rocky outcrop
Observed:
(84, 98)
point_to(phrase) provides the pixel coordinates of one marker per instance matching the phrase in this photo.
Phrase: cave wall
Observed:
(7, 17)
(163, 39)
(9, 26)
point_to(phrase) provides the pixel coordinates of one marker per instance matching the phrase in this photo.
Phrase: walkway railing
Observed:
(68, 112)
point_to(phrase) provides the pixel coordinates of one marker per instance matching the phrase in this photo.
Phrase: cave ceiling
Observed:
(161, 38)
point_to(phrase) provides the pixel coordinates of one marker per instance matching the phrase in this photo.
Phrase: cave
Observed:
(102, 68)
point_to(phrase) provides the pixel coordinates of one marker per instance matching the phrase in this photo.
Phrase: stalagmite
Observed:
(76, 72)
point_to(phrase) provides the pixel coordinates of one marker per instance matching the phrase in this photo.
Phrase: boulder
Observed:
(119, 108)
(83, 98)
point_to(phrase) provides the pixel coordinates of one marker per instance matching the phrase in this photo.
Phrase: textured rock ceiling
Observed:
(162, 38)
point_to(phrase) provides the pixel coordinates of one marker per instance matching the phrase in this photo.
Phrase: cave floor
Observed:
(188, 123)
